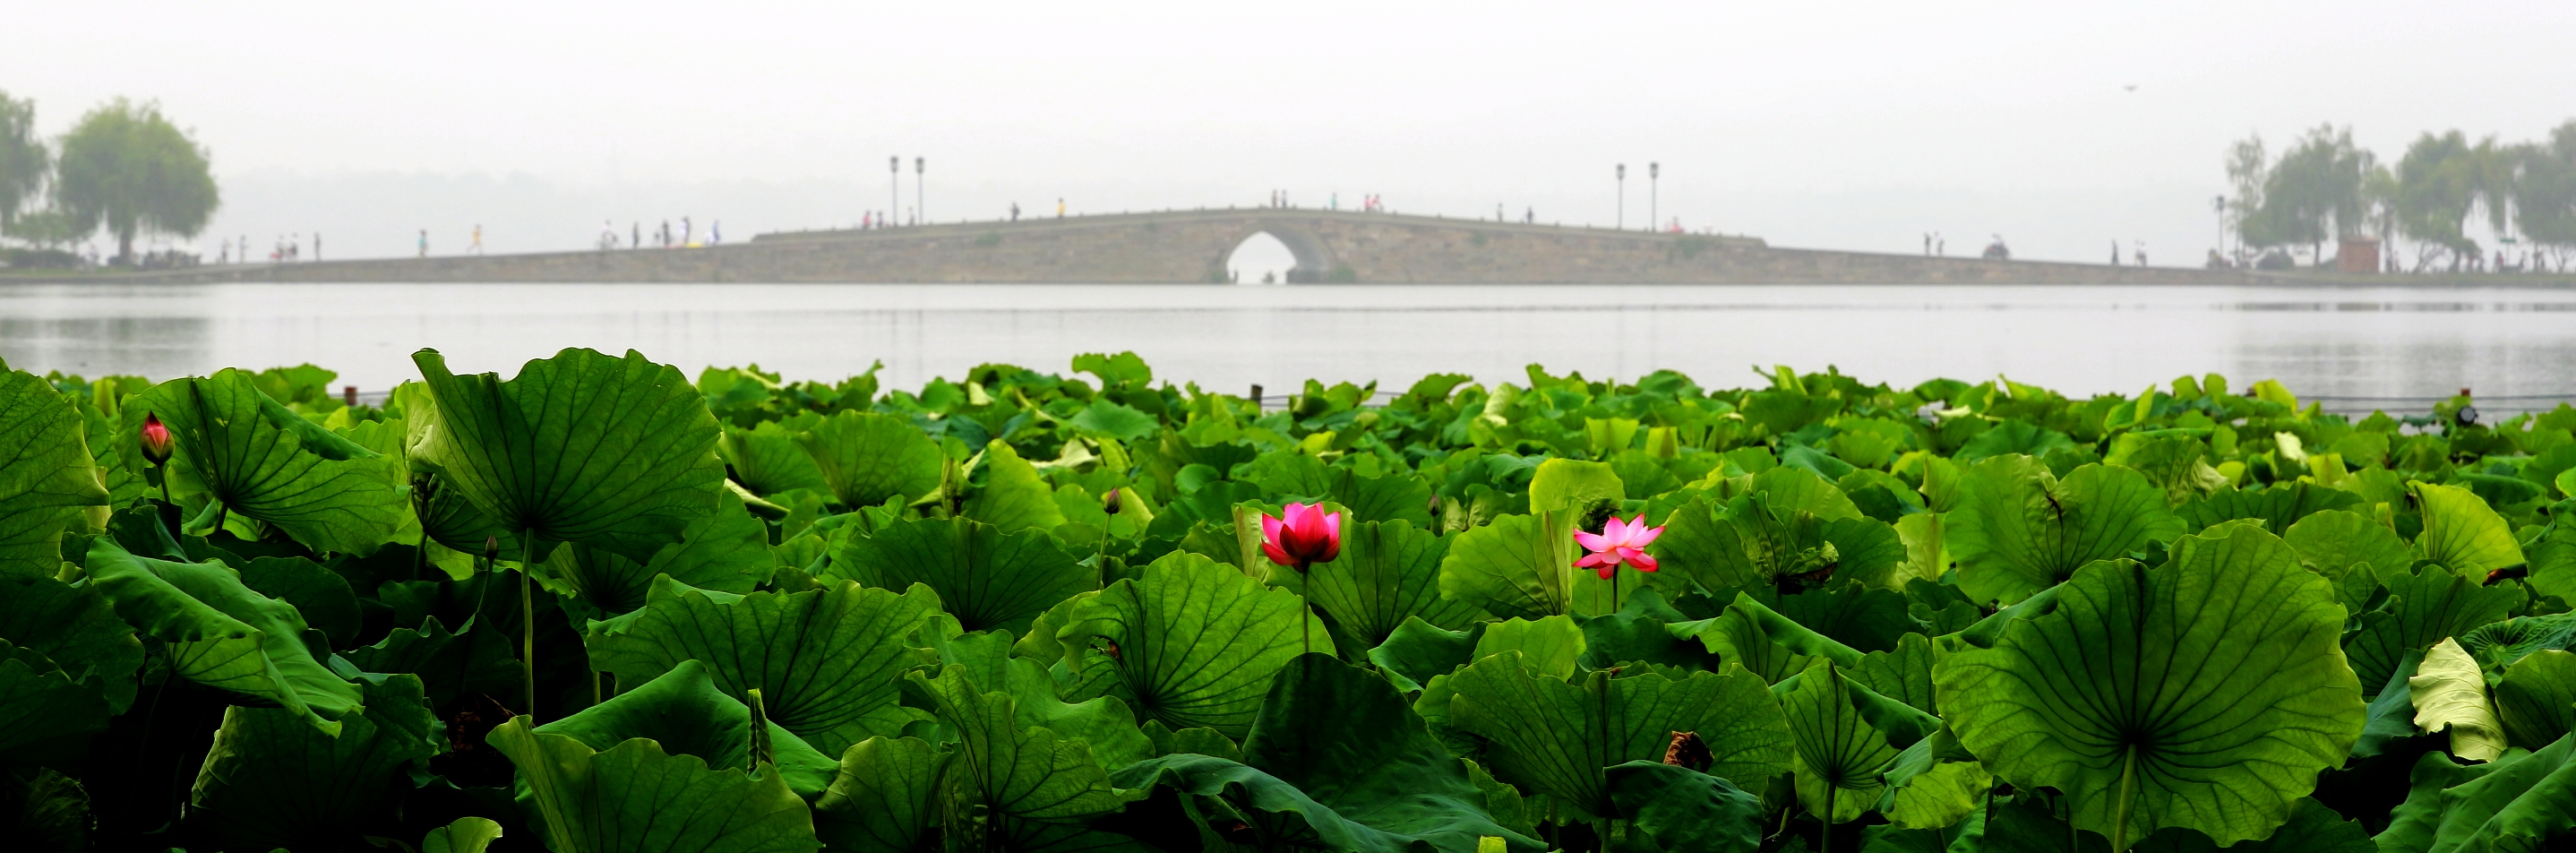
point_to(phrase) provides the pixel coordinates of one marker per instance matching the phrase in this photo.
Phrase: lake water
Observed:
(2346, 343)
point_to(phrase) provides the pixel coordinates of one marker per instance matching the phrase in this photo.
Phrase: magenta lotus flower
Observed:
(1304, 535)
(155, 439)
(1619, 542)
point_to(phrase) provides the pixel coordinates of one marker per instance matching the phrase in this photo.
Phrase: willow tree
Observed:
(126, 167)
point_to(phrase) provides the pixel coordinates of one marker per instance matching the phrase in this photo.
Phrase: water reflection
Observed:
(2322, 342)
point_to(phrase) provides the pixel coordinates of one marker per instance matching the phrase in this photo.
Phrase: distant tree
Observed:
(23, 159)
(128, 168)
(2438, 183)
(2247, 162)
(2544, 197)
(2317, 192)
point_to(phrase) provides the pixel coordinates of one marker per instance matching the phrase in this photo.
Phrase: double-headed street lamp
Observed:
(1622, 220)
(894, 191)
(919, 165)
(1653, 171)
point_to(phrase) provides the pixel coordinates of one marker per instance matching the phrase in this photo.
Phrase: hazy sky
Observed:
(1842, 125)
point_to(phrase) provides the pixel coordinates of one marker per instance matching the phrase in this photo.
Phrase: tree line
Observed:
(124, 168)
(2325, 188)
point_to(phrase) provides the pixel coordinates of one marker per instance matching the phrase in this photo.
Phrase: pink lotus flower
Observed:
(155, 439)
(1304, 536)
(1619, 542)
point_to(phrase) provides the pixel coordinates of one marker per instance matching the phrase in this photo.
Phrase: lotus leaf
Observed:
(256, 458)
(987, 578)
(2018, 529)
(2204, 694)
(1190, 642)
(635, 798)
(48, 481)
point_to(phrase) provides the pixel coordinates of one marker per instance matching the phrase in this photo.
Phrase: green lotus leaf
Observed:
(1393, 496)
(2313, 828)
(263, 461)
(2423, 607)
(448, 519)
(272, 781)
(1552, 737)
(39, 700)
(684, 713)
(1290, 476)
(2462, 533)
(1388, 571)
(1839, 755)
(771, 458)
(2513, 804)
(1338, 762)
(1028, 784)
(1755, 540)
(1013, 497)
(1867, 618)
(2498, 644)
(826, 662)
(466, 835)
(221, 634)
(634, 798)
(2537, 698)
(2013, 436)
(1553, 646)
(1102, 721)
(1573, 486)
(1645, 630)
(1190, 642)
(1684, 809)
(1418, 650)
(727, 551)
(1940, 797)
(478, 657)
(2209, 692)
(988, 578)
(321, 596)
(1104, 418)
(1904, 674)
(1796, 490)
(76, 630)
(2333, 541)
(617, 453)
(1509, 568)
(48, 812)
(2278, 508)
(868, 457)
(881, 801)
(2018, 530)
(48, 480)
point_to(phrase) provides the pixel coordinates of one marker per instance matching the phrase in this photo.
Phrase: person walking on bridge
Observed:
(424, 244)
(1059, 207)
(477, 247)
(1015, 211)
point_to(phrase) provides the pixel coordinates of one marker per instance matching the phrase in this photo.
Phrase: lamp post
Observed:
(1653, 172)
(1621, 222)
(2218, 205)
(919, 165)
(894, 191)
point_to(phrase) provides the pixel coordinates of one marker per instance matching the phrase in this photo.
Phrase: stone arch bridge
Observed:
(1182, 247)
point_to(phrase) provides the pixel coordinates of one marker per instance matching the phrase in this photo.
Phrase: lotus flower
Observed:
(155, 439)
(1619, 542)
(1304, 535)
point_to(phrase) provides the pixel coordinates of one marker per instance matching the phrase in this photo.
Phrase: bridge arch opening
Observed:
(1260, 259)
(1274, 255)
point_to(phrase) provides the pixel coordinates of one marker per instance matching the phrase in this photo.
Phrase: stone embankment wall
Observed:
(1185, 247)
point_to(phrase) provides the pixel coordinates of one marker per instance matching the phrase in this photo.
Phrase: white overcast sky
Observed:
(1828, 124)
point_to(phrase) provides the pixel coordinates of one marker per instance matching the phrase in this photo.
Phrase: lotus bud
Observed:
(491, 551)
(155, 439)
(1109, 502)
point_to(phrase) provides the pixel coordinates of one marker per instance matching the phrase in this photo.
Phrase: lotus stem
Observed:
(1825, 839)
(528, 617)
(2120, 824)
(222, 511)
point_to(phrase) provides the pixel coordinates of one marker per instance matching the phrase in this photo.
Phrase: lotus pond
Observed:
(597, 607)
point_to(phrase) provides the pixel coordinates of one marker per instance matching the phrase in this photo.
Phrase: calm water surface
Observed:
(2344, 342)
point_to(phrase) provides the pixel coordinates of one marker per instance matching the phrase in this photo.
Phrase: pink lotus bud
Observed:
(155, 439)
